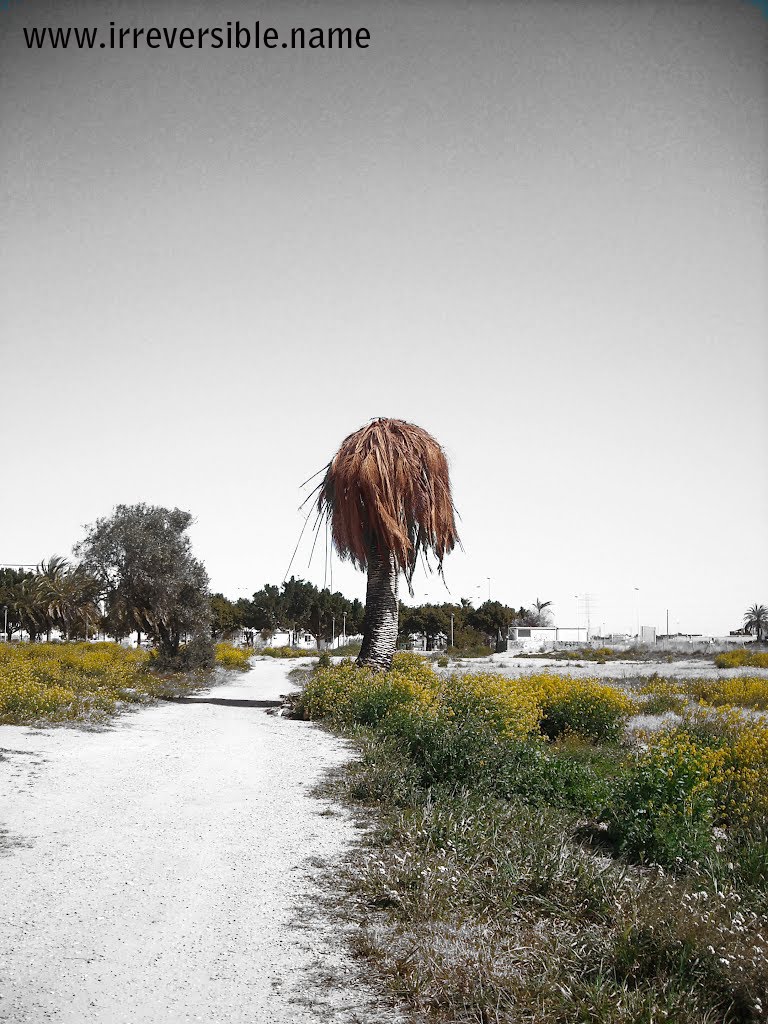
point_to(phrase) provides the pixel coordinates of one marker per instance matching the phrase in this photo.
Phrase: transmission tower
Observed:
(589, 604)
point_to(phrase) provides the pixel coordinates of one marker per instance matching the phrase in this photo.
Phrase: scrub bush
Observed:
(585, 707)
(741, 657)
(710, 771)
(286, 652)
(231, 657)
(64, 682)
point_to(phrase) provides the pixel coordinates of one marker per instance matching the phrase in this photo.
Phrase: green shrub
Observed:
(710, 771)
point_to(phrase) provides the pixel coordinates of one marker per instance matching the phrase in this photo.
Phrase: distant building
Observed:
(535, 638)
(285, 638)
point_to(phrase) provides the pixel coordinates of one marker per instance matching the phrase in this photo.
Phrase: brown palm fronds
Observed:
(387, 489)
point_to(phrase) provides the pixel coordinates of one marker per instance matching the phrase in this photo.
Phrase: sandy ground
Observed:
(509, 665)
(163, 869)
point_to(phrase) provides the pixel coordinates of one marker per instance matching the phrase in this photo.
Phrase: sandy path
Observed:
(155, 867)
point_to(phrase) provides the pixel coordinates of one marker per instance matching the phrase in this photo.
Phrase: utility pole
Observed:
(333, 631)
(489, 587)
(451, 629)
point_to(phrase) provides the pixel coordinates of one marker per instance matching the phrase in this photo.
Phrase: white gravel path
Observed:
(163, 869)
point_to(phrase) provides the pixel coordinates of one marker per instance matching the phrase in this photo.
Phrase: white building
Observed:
(285, 638)
(535, 638)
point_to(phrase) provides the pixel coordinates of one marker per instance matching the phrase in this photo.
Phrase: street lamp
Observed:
(637, 612)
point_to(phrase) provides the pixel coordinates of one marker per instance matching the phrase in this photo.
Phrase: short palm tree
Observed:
(67, 596)
(756, 619)
(25, 603)
(51, 578)
(387, 496)
(542, 615)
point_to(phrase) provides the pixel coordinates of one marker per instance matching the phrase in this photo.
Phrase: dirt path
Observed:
(163, 869)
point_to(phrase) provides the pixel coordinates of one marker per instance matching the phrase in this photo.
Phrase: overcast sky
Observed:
(537, 229)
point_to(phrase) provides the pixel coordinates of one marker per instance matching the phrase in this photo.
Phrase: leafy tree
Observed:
(492, 619)
(756, 620)
(226, 616)
(328, 615)
(144, 563)
(386, 495)
(299, 600)
(301, 606)
(355, 617)
(431, 620)
(266, 610)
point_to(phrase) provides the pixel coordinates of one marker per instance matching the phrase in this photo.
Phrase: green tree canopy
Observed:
(226, 616)
(302, 606)
(17, 596)
(151, 582)
(493, 618)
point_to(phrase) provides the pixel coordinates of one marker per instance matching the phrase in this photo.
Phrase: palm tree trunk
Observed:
(380, 623)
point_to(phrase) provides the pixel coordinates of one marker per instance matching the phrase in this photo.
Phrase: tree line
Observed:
(135, 572)
(299, 606)
(294, 607)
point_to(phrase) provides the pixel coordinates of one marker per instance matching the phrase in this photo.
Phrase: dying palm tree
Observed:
(756, 619)
(387, 496)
